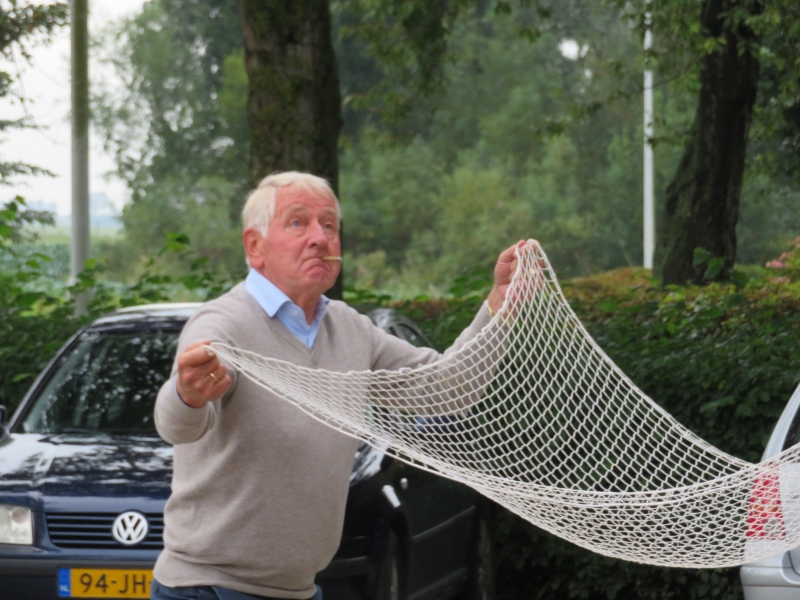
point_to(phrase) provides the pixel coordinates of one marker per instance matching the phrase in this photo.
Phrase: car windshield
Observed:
(107, 384)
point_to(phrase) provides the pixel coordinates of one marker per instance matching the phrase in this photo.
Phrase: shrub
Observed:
(39, 317)
(722, 360)
(787, 265)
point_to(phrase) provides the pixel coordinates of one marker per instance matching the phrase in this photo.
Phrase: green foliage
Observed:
(407, 39)
(38, 317)
(27, 342)
(232, 100)
(389, 194)
(22, 25)
(713, 264)
(443, 319)
(198, 208)
(15, 217)
(23, 344)
(722, 360)
(562, 136)
(536, 565)
(787, 265)
(178, 131)
(508, 156)
(559, 138)
(181, 113)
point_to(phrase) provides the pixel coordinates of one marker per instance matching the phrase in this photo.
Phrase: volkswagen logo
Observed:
(130, 528)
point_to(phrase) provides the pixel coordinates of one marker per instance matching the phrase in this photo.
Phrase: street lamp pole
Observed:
(80, 240)
(649, 186)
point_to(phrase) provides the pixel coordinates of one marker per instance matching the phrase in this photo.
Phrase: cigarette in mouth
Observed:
(339, 258)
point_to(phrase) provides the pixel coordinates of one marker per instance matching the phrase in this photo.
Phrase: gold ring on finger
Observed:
(214, 377)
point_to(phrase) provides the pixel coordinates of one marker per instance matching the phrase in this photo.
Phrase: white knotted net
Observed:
(532, 414)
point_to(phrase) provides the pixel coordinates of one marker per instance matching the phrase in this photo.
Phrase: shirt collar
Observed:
(271, 298)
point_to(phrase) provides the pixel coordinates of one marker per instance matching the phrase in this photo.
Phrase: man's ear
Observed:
(251, 239)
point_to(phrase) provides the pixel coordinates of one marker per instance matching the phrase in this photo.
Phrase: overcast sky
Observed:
(46, 86)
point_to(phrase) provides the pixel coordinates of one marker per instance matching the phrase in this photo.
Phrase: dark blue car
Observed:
(84, 478)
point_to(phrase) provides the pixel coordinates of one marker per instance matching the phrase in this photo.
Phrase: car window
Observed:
(793, 435)
(108, 383)
(410, 335)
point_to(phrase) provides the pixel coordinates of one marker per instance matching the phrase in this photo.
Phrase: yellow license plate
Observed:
(104, 583)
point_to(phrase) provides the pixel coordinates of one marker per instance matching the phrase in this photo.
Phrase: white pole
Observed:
(649, 186)
(80, 241)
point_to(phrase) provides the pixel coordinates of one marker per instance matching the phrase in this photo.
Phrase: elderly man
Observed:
(259, 487)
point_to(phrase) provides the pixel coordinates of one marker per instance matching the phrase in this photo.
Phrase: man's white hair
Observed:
(259, 209)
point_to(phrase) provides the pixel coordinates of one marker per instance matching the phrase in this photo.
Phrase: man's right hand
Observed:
(201, 377)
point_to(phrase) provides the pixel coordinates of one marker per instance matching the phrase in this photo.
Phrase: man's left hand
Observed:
(503, 273)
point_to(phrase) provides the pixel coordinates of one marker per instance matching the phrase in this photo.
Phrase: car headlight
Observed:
(16, 525)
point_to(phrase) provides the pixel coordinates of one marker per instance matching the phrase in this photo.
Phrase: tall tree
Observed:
(702, 207)
(294, 105)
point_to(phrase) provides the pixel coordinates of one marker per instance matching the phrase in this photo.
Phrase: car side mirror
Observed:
(3, 421)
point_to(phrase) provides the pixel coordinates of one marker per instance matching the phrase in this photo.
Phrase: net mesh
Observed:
(532, 414)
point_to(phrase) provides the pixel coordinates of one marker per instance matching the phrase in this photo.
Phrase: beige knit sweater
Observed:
(259, 487)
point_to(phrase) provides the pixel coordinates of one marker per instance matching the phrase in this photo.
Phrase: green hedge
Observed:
(722, 360)
(33, 327)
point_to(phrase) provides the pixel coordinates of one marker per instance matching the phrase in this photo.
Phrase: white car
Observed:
(776, 578)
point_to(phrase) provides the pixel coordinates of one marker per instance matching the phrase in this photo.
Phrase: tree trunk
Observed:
(702, 205)
(294, 105)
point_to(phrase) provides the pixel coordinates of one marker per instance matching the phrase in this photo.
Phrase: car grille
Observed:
(93, 531)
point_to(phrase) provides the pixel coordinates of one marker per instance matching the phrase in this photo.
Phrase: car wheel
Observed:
(480, 582)
(388, 585)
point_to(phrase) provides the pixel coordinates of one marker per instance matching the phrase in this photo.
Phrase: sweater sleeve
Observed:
(176, 422)
(391, 353)
(449, 388)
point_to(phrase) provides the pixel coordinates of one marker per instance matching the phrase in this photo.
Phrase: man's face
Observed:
(304, 229)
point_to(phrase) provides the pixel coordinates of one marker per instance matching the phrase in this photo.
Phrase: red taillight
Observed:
(765, 516)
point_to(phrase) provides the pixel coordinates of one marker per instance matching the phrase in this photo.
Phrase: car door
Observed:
(789, 491)
(773, 514)
(440, 511)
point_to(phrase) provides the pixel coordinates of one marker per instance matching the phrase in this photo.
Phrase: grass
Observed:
(62, 234)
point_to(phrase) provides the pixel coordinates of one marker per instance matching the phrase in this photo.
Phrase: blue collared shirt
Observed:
(277, 304)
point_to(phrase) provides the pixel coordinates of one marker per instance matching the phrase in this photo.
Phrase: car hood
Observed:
(70, 465)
